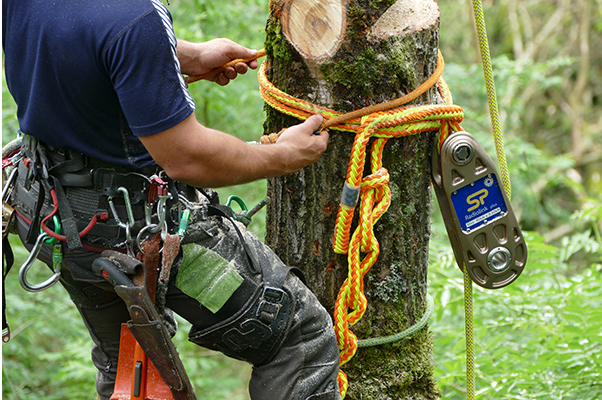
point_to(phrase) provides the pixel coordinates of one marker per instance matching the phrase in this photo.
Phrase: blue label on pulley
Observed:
(478, 204)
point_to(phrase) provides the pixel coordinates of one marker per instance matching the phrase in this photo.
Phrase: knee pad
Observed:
(256, 332)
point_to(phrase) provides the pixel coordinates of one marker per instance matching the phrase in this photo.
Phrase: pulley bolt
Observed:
(499, 259)
(462, 153)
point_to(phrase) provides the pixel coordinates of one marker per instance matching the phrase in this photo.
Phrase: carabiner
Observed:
(161, 213)
(57, 229)
(29, 262)
(128, 208)
(7, 188)
(237, 200)
(130, 214)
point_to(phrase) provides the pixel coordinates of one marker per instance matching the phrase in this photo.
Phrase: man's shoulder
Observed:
(116, 14)
(60, 19)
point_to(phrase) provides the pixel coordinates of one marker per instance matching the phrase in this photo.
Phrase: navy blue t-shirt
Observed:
(94, 75)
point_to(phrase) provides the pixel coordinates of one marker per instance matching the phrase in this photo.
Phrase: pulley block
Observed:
(481, 225)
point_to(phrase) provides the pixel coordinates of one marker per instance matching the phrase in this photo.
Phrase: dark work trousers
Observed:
(304, 367)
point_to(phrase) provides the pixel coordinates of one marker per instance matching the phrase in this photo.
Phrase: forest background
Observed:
(539, 338)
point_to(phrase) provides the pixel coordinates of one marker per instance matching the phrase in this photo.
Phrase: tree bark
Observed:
(347, 55)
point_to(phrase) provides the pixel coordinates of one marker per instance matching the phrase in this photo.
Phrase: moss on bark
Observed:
(301, 217)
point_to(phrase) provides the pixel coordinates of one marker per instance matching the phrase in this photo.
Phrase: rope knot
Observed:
(271, 138)
(376, 180)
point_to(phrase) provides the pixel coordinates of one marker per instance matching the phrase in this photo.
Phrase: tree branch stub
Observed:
(404, 17)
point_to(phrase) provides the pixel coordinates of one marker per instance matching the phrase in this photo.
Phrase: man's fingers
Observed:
(314, 122)
(241, 68)
(241, 52)
(230, 73)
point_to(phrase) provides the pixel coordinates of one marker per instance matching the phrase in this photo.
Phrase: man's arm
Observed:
(202, 157)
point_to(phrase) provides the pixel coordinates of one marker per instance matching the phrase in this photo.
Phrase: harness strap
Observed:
(67, 220)
(33, 232)
(218, 210)
(85, 192)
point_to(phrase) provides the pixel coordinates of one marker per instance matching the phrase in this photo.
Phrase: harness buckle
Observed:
(269, 304)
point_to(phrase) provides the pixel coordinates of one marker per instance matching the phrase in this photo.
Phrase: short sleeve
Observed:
(145, 73)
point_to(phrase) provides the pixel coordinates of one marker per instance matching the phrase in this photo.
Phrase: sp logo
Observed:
(477, 199)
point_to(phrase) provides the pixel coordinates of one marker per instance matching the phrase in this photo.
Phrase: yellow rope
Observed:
(469, 333)
(505, 176)
(380, 122)
(491, 95)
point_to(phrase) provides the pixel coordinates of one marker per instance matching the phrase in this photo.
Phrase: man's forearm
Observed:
(203, 157)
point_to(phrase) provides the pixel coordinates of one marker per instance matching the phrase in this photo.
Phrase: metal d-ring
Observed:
(29, 262)
(153, 228)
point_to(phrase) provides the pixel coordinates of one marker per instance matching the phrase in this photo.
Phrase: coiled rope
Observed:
(381, 122)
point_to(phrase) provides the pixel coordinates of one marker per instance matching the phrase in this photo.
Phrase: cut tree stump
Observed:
(347, 55)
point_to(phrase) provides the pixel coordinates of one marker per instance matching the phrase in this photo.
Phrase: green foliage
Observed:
(48, 356)
(10, 125)
(537, 338)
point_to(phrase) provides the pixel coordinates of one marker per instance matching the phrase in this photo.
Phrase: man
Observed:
(106, 115)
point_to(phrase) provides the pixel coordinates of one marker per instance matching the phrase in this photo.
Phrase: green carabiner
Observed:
(57, 229)
(238, 200)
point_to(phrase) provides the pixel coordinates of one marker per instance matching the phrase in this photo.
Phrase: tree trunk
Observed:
(346, 55)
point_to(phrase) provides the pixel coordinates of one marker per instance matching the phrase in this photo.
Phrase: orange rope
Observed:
(381, 122)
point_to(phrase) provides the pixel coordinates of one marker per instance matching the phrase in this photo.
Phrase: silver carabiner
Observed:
(29, 262)
(128, 208)
(130, 214)
(161, 212)
(7, 189)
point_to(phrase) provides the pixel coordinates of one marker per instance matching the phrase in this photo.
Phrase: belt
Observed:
(114, 197)
(72, 168)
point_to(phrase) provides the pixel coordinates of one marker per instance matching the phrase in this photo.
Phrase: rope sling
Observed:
(380, 122)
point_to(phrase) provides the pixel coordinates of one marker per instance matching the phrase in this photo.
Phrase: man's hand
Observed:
(202, 58)
(305, 142)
